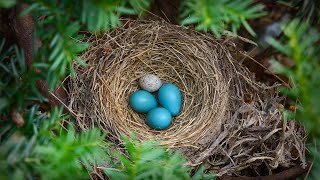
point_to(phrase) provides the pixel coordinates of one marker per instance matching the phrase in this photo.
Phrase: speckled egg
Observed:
(150, 82)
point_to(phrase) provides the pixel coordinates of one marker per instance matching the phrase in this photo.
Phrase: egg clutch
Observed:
(159, 110)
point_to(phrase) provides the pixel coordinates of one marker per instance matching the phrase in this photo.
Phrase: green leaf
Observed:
(216, 15)
(152, 155)
(115, 173)
(300, 44)
(61, 57)
(55, 40)
(5, 68)
(148, 160)
(81, 62)
(279, 68)
(125, 10)
(278, 46)
(29, 9)
(248, 28)
(7, 3)
(21, 59)
(4, 102)
(41, 65)
(29, 147)
(190, 20)
(201, 175)
(14, 70)
(57, 49)
(72, 29)
(2, 44)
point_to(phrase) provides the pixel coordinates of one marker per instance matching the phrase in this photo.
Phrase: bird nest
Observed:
(228, 120)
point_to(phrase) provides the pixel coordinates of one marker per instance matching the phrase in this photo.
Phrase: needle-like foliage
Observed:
(301, 44)
(44, 148)
(17, 84)
(104, 15)
(59, 28)
(219, 15)
(147, 160)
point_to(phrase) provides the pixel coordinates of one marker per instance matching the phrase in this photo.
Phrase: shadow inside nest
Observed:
(229, 121)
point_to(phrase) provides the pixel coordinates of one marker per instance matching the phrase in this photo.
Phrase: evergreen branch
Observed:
(100, 15)
(218, 15)
(301, 45)
(59, 29)
(46, 149)
(17, 84)
(105, 15)
(147, 160)
(68, 149)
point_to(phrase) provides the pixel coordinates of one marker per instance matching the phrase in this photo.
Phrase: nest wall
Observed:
(228, 120)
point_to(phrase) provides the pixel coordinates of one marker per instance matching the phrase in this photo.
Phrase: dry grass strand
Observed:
(228, 120)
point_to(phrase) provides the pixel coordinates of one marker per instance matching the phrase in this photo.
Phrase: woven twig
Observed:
(228, 120)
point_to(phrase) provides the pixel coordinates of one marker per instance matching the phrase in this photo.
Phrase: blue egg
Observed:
(170, 98)
(142, 101)
(159, 118)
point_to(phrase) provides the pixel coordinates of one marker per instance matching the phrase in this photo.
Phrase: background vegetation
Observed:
(39, 143)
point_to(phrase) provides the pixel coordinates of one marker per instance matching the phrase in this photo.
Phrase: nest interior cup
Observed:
(224, 112)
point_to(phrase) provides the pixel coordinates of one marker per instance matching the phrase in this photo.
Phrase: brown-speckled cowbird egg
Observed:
(150, 82)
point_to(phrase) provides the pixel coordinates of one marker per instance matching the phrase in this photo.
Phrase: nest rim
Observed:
(115, 117)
